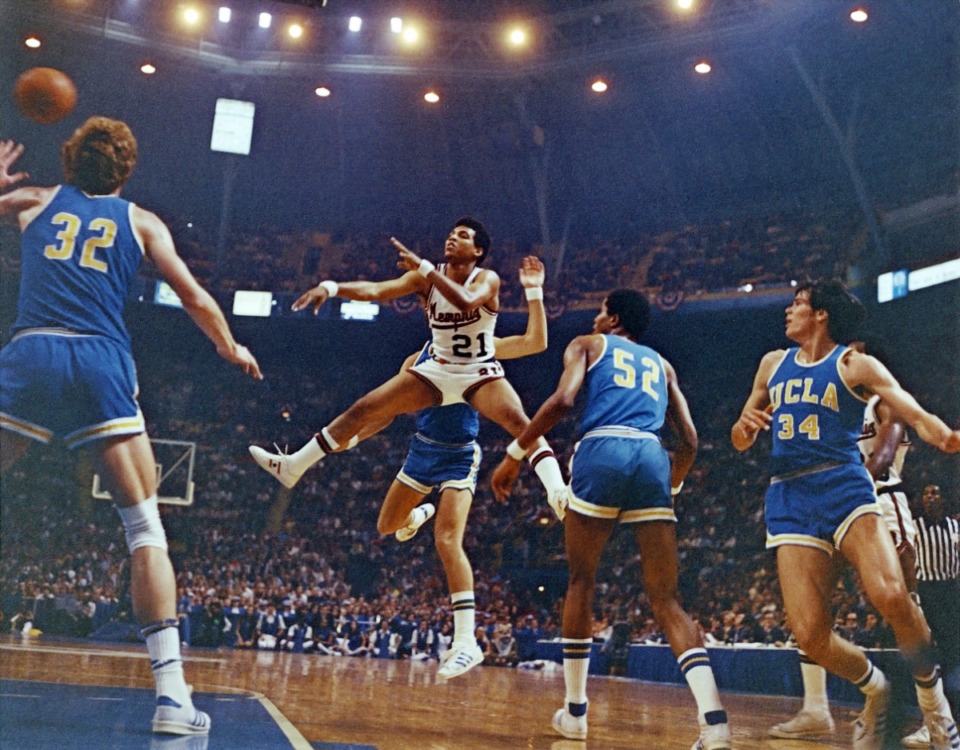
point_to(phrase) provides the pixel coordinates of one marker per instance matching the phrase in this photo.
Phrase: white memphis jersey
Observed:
(867, 440)
(460, 337)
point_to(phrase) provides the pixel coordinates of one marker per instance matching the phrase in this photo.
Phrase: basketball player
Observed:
(821, 498)
(621, 473)
(461, 302)
(445, 452)
(68, 371)
(883, 444)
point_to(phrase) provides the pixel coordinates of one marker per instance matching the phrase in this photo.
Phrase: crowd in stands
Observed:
(316, 576)
(692, 260)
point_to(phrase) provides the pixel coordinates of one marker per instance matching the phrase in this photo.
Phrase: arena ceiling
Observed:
(798, 95)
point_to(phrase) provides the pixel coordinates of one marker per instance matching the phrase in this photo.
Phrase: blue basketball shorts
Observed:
(625, 478)
(816, 509)
(59, 384)
(430, 464)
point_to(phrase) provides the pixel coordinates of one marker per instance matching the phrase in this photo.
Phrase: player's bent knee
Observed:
(142, 525)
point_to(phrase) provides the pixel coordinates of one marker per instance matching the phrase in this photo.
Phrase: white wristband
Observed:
(533, 292)
(674, 491)
(516, 452)
(425, 268)
(332, 287)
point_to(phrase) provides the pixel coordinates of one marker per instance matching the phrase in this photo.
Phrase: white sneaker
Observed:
(942, 731)
(276, 465)
(919, 739)
(806, 724)
(716, 737)
(871, 726)
(172, 718)
(571, 727)
(422, 514)
(460, 659)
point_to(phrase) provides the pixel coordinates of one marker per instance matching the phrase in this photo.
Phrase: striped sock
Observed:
(814, 685)
(695, 666)
(163, 645)
(545, 464)
(464, 617)
(576, 667)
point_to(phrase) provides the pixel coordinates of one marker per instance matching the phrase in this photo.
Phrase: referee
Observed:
(938, 583)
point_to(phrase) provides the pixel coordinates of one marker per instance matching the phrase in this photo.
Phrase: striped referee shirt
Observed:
(938, 549)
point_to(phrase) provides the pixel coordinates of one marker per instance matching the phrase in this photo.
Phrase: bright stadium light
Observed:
(224, 14)
(295, 30)
(265, 20)
(703, 67)
(685, 4)
(355, 24)
(859, 15)
(599, 86)
(396, 24)
(322, 91)
(431, 97)
(191, 16)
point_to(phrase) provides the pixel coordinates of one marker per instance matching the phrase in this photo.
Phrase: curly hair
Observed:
(100, 155)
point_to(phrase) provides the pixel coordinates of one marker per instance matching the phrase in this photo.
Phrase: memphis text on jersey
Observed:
(454, 320)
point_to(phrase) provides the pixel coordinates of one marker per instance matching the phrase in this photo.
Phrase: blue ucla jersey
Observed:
(626, 387)
(817, 419)
(79, 257)
(454, 423)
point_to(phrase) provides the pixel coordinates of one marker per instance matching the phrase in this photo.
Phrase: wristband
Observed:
(516, 452)
(425, 268)
(674, 491)
(332, 287)
(533, 292)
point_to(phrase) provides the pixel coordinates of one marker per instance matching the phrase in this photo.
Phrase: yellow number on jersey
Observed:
(67, 237)
(68, 240)
(809, 427)
(627, 377)
(624, 361)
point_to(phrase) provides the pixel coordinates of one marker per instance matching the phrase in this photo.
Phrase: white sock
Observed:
(814, 679)
(416, 517)
(167, 665)
(872, 682)
(576, 667)
(464, 618)
(695, 666)
(930, 696)
(307, 456)
(545, 464)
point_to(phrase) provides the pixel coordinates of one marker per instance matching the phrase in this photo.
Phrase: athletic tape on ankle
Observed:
(142, 525)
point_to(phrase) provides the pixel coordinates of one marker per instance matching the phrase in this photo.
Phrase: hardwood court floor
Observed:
(394, 705)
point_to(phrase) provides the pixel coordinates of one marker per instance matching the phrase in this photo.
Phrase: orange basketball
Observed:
(45, 94)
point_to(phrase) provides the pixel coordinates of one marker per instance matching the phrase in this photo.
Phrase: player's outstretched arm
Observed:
(575, 361)
(534, 339)
(364, 291)
(199, 304)
(484, 289)
(756, 413)
(9, 153)
(869, 372)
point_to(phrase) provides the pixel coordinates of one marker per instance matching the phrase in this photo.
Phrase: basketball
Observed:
(45, 95)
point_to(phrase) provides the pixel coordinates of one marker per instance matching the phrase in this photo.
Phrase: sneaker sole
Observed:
(178, 727)
(806, 734)
(578, 735)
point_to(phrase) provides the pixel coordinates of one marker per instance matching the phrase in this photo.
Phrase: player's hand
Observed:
(503, 478)
(753, 420)
(242, 357)
(311, 298)
(407, 259)
(559, 500)
(532, 272)
(9, 153)
(953, 442)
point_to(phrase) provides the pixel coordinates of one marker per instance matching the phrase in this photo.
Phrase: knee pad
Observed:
(141, 523)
